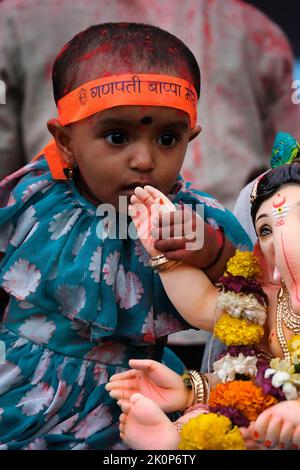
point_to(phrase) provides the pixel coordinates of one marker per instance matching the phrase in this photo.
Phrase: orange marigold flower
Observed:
(242, 395)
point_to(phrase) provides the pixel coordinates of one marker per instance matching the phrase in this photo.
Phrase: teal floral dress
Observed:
(79, 309)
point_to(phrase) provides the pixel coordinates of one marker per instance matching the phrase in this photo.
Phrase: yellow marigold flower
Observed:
(242, 395)
(244, 263)
(294, 348)
(210, 432)
(237, 331)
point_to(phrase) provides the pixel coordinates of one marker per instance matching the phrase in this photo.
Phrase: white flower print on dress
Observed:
(65, 426)
(63, 222)
(82, 373)
(26, 223)
(37, 329)
(107, 353)
(141, 253)
(128, 288)
(10, 377)
(5, 234)
(95, 264)
(34, 188)
(98, 419)
(11, 201)
(209, 201)
(148, 328)
(21, 279)
(25, 305)
(100, 374)
(42, 367)
(213, 223)
(20, 342)
(165, 324)
(36, 399)
(80, 241)
(71, 298)
(61, 395)
(110, 268)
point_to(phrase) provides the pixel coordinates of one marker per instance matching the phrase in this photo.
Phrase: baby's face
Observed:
(128, 146)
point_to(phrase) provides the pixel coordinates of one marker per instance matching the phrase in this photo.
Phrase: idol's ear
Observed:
(267, 272)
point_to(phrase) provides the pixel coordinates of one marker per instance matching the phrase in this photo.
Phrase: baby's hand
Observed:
(178, 233)
(146, 205)
(279, 426)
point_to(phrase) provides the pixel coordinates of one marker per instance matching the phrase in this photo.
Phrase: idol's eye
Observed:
(264, 231)
(116, 137)
(168, 139)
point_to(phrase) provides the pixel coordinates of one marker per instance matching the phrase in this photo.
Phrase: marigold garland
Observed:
(237, 331)
(242, 395)
(210, 432)
(244, 263)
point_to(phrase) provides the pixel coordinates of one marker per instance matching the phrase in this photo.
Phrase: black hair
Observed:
(113, 48)
(272, 181)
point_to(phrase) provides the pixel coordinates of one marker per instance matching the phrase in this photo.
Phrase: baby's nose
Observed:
(142, 157)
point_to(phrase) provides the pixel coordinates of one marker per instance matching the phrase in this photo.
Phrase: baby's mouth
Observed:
(128, 190)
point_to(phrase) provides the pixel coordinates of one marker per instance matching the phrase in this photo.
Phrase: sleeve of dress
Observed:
(271, 60)
(11, 155)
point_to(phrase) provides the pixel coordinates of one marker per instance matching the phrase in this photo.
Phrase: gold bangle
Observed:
(162, 264)
(200, 385)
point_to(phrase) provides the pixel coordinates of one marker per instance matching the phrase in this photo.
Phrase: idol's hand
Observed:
(154, 381)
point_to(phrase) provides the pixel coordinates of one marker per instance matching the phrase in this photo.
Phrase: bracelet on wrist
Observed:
(162, 264)
(221, 240)
(200, 386)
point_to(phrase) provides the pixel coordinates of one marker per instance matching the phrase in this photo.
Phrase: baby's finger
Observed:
(122, 393)
(170, 218)
(127, 374)
(144, 195)
(125, 406)
(160, 198)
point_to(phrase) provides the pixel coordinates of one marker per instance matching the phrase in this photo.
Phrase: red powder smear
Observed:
(161, 202)
(61, 52)
(104, 48)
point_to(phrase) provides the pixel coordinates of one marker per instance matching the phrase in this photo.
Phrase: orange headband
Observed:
(128, 90)
(119, 90)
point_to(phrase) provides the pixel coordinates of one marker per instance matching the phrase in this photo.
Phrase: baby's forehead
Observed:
(145, 115)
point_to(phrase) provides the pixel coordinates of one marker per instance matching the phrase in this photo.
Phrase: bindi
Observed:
(146, 121)
(279, 201)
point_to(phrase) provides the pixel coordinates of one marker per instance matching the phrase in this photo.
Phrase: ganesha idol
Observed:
(254, 310)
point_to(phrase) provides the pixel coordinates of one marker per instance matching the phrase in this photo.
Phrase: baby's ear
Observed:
(195, 132)
(61, 135)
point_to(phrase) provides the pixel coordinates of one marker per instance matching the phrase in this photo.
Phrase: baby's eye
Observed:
(264, 231)
(168, 139)
(116, 138)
